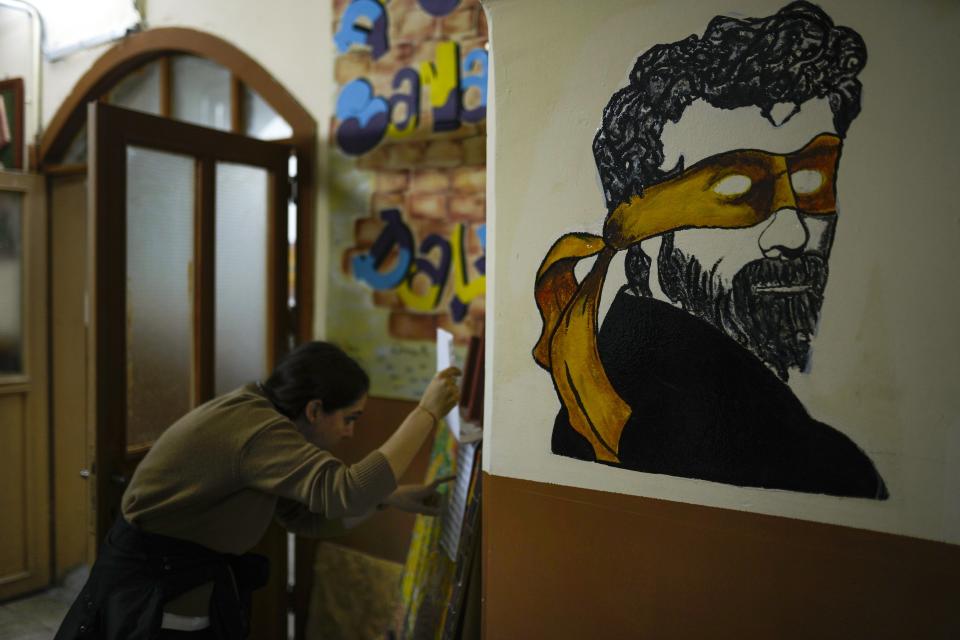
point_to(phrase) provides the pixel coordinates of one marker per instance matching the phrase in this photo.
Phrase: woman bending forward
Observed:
(177, 562)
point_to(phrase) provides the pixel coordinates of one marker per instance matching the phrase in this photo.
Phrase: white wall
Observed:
(291, 39)
(15, 42)
(886, 359)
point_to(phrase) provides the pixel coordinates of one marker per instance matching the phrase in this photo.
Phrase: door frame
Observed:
(159, 44)
(111, 130)
(138, 49)
(32, 383)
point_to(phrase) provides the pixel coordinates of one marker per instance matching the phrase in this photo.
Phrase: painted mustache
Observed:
(803, 274)
(776, 304)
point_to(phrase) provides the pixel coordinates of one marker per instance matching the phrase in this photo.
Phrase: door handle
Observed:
(84, 473)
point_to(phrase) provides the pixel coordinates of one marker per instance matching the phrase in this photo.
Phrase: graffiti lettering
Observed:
(354, 30)
(466, 291)
(437, 258)
(363, 117)
(395, 234)
(411, 100)
(439, 8)
(478, 59)
(443, 78)
(436, 273)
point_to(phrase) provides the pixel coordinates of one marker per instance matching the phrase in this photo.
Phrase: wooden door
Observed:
(24, 430)
(189, 287)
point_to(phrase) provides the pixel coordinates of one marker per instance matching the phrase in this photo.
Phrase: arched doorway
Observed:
(130, 132)
(162, 46)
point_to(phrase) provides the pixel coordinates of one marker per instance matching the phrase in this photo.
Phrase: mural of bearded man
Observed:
(720, 158)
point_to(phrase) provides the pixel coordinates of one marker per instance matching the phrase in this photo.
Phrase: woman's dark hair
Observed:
(316, 370)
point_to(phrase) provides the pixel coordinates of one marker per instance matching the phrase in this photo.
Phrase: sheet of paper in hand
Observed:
(462, 431)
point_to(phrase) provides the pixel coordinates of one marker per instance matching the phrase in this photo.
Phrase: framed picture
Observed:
(11, 124)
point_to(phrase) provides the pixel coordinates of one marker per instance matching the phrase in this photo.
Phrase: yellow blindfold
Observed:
(737, 189)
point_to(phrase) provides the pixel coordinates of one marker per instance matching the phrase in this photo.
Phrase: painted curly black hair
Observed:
(790, 57)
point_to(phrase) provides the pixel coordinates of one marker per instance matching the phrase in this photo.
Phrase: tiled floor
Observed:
(37, 617)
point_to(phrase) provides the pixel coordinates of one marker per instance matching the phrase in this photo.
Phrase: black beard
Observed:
(772, 307)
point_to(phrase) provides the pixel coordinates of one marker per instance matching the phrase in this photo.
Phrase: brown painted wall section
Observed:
(572, 563)
(386, 534)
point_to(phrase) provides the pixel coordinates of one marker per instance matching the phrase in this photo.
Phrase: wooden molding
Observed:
(237, 116)
(140, 48)
(66, 169)
(166, 87)
(24, 408)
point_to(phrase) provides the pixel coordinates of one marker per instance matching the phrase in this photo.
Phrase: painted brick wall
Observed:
(436, 180)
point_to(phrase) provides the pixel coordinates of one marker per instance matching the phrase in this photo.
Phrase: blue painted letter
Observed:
(396, 233)
(474, 75)
(439, 8)
(363, 117)
(351, 32)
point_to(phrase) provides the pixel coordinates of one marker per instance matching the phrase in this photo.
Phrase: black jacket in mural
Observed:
(704, 407)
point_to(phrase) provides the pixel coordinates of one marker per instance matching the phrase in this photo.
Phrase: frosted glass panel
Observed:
(140, 90)
(261, 120)
(11, 278)
(201, 92)
(241, 275)
(160, 189)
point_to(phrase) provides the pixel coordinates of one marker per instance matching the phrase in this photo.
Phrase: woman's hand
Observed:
(419, 498)
(440, 397)
(442, 393)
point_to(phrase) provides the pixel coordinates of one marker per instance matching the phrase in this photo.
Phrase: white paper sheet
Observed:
(446, 357)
